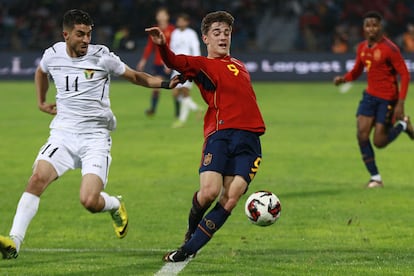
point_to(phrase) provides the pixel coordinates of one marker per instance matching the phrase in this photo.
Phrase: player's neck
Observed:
(72, 53)
(163, 25)
(373, 42)
(213, 56)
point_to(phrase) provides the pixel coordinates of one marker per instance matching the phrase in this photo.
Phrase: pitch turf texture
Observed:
(330, 224)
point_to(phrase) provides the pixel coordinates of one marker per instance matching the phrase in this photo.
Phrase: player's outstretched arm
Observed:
(147, 80)
(42, 85)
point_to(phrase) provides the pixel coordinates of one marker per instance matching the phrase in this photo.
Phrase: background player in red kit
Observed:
(159, 69)
(232, 127)
(383, 101)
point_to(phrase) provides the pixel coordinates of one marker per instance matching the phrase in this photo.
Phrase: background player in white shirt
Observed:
(80, 131)
(184, 40)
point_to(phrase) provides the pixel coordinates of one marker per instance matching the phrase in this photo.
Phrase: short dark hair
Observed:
(184, 16)
(162, 9)
(373, 14)
(218, 16)
(73, 17)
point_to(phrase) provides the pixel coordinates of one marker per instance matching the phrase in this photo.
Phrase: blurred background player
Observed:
(159, 69)
(233, 125)
(408, 39)
(382, 101)
(184, 40)
(80, 131)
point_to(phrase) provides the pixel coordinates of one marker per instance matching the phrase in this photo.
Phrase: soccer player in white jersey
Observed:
(184, 40)
(80, 131)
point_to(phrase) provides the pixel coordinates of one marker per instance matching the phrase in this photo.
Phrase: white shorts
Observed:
(187, 84)
(68, 151)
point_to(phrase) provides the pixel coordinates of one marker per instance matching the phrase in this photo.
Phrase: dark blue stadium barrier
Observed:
(262, 67)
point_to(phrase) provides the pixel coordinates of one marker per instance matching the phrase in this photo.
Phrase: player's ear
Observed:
(205, 39)
(65, 34)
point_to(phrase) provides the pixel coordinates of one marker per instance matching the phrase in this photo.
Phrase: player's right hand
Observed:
(156, 35)
(49, 108)
(338, 80)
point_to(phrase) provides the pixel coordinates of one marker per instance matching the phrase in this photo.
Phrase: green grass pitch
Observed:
(330, 224)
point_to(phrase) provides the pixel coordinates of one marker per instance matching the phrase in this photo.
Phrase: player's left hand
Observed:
(49, 108)
(176, 80)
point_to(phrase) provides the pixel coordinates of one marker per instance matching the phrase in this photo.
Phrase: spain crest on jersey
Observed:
(89, 73)
(207, 159)
(377, 54)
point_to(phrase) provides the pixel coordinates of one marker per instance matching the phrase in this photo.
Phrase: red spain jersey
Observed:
(151, 47)
(383, 63)
(225, 86)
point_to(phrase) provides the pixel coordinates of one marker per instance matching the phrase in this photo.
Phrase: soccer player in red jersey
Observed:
(159, 69)
(382, 102)
(232, 127)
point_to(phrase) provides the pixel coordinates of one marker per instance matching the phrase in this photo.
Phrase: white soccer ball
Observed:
(263, 208)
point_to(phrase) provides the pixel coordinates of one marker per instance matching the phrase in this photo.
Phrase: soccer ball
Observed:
(262, 208)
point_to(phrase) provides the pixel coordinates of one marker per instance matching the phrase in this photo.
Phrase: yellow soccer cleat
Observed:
(8, 248)
(178, 124)
(120, 219)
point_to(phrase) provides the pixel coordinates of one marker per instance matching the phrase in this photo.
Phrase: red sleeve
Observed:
(181, 63)
(358, 67)
(398, 63)
(148, 48)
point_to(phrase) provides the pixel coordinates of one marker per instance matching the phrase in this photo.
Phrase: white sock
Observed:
(193, 106)
(404, 124)
(111, 202)
(184, 109)
(26, 210)
(376, 177)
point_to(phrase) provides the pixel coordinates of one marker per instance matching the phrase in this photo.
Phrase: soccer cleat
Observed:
(178, 124)
(120, 219)
(176, 256)
(150, 112)
(375, 184)
(409, 130)
(8, 248)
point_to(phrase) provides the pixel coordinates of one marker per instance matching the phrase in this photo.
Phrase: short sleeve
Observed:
(43, 61)
(112, 64)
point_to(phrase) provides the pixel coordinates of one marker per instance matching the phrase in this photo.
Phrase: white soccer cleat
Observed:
(375, 184)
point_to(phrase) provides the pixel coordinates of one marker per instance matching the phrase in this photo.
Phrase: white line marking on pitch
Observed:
(172, 269)
(168, 269)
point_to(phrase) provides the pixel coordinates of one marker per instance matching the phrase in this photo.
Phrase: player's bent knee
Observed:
(91, 204)
(362, 136)
(37, 184)
(229, 204)
(208, 195)
(380, 144)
